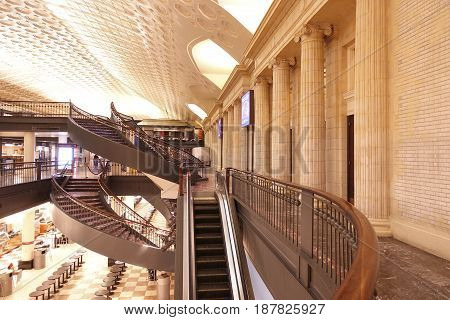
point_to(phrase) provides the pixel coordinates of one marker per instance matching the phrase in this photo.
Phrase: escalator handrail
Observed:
(237, 262)
(188, 249)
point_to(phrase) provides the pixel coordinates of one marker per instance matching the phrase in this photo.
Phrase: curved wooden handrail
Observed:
(360, 280)
(185, 157)
(58, 190)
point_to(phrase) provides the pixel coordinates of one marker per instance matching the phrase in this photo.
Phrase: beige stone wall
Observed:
(420, 118)
(399, 95)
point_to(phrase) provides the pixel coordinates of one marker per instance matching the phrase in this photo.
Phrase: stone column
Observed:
(312, 106)
(262, 127)
(225, 140)
(230, 138)
(237, 135)
(29, 146)
(28, 236)
(371, 113)
(280, 129)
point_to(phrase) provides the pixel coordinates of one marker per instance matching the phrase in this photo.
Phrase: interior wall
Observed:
(420, 123)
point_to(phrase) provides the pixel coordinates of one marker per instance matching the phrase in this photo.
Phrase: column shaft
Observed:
(237, 135)
(280, 129)
(28, 235)
(312, 108)
(262, 127)
(371, 111)
(230, 137)
(29, 146)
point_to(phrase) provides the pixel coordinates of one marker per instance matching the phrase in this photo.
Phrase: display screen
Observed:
(247, 106)
(220, 127)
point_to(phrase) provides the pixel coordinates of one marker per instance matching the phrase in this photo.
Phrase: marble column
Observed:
(371, 113)
(280, 128)
(262, 126)
(230, 138)
(312, 106)
(237, 135)
(28, 236)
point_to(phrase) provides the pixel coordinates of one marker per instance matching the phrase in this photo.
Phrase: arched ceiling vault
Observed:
(133, 52)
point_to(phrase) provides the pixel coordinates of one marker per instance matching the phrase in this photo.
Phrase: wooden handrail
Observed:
(360, 278)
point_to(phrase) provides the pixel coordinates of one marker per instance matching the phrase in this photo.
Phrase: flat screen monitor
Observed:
(247, 107)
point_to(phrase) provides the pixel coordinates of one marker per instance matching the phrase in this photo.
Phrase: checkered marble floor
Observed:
(134, 284)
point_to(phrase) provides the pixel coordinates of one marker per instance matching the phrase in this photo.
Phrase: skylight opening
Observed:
(249, 12)
(199, 112)
(213, 62)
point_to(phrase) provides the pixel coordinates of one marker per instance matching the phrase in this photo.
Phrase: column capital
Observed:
(282, 62)
(261, 80)
(314, 30)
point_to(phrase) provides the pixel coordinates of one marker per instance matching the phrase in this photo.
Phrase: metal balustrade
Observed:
(169, 152)
(157, 236)
(119, 122)
(80, 211)
(24, 172)
(34, 109)
(337, 239)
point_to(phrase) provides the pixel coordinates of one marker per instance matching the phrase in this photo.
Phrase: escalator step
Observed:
(208, 238)
(213, 290)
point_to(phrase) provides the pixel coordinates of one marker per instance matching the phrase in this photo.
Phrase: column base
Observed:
(382, 227)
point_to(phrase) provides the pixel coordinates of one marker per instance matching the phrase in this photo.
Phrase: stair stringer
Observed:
(105, 244)
(129, 156)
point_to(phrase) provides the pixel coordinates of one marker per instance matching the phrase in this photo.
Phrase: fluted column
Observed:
(280, 129)
(312, 106)
(237, 135)
(225, 131)
(230, 137)
(262, 127)
(371, 113)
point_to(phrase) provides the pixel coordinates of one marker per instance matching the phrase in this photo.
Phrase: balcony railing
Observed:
(336, 238)
(24, 172)
(34, 109)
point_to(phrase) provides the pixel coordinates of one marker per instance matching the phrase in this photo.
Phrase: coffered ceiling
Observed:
(137, 53)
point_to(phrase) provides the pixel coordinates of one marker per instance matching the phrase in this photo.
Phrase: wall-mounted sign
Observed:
(247, 103)
(220, 127)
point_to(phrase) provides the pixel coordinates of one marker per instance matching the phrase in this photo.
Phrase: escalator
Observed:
(210, 259)
(212, 273)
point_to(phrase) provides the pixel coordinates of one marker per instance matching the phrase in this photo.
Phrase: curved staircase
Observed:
(82, 214)
(82, 210)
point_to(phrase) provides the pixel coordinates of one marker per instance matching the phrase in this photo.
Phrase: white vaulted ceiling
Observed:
(136, 53)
